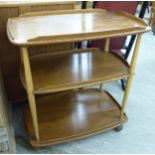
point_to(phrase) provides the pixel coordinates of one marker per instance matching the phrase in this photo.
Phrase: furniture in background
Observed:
(59, 110)
(144, 7)
(9, 54)
(141, 15)
(7, 140)
(119, 6)
(152, 18)
(152, 24)
(116, 44)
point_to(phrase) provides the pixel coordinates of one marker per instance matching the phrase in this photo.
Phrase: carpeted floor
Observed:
(138, 135)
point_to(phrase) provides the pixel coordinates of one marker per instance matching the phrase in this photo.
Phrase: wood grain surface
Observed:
(73, 115)
(52, 27)
(74, 69)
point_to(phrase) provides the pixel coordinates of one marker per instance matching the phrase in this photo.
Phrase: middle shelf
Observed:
(67, 70)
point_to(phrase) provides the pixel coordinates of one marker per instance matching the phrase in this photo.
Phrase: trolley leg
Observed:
(127, 89)
(107, 45)
(106, 49)
(101, 87)
(29, 85)
(131, 71)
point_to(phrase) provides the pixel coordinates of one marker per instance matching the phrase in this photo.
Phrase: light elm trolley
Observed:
(59, 110)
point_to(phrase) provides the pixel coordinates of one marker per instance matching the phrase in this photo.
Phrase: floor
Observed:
(138, 135)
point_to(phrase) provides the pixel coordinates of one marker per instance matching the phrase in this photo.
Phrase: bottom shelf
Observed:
(73, 115)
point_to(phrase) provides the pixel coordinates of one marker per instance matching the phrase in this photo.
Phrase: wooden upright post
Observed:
(106, 49)
(30, 89)
(107, 45)
(131, 72)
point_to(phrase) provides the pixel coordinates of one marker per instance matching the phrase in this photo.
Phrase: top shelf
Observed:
(72, 25)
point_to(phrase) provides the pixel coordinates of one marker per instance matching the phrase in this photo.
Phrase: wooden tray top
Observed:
(72, 25)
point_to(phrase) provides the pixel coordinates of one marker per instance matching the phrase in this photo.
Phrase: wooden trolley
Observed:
(59, 110)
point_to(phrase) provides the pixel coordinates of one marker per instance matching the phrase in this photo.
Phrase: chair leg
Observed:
(123, 84)
(143, 10)
(84, 5)
(132, 40)
(79, 45)
(94, 4)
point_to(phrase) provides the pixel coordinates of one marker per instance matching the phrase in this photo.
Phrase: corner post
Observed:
(30, 89)
(106, 49)
(131, 72)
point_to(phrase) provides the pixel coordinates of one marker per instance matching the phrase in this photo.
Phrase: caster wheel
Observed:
(119, 128)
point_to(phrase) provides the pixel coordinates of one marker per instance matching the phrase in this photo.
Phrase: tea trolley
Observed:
(61, 105)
